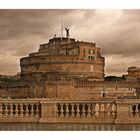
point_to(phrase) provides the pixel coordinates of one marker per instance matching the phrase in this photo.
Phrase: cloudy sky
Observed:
(117, 32)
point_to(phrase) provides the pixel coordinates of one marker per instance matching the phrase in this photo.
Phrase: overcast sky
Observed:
(117, 32)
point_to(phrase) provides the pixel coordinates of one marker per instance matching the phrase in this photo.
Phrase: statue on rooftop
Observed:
(67, 32)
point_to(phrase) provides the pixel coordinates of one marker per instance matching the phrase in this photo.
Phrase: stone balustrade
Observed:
(85, 109)
(20, 109)
(78, 111)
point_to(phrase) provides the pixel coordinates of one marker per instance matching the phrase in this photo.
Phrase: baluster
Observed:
(32, 110)
(6, 110)
(16, 110)
(11, 110)
(97, 110)
(72, 110)
(37, 110)
(108, 109)
(26, 110)
(21, 110)
(57, 109)
(102, 109)
(137, 112)
(77, 111)
(113, 109)
(89, 111)
(83, 110)
(130, 111)
(61, 111)
(0, 110)
(92, 110)
(67, 110)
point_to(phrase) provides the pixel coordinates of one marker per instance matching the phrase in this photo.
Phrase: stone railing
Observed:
(70, 111)
(19, 109)
(85, 109)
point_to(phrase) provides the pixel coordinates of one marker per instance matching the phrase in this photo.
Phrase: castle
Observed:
(64, 82)
(64, 57)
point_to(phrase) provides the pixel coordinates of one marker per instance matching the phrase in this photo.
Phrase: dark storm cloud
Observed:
(19, 23)
(115, 31)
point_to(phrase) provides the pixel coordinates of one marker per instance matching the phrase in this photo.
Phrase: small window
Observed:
(84, 51)
(89, 51)
(89, 57)
(104, 94)
(93, 51)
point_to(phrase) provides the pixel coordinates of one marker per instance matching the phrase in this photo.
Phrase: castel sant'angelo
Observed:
(64, 82)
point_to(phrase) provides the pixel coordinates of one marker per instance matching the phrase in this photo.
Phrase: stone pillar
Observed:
(92, 109)
(83, 110)
(26, 110)
(137, 112)
(32, 110)
(113, 109)
(48, 110)
(108, 109)
(72, 110)
(97, 110)
(16, 110)
(77, 111)
(61, 110)
(21, 110)
(6, 110)
(11, 110)
(130, 111)
(89, 111)
(67, 110)
(57, 110)
(37, 110)
(102, 109)
(123, 111)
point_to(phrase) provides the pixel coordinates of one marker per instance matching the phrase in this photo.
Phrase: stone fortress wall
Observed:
(67, 88)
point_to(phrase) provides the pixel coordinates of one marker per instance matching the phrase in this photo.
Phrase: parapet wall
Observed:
(122, 111)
